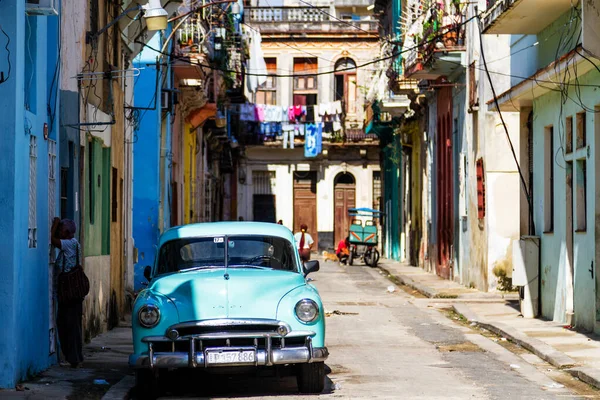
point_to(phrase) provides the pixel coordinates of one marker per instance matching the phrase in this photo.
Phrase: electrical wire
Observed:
(7, 56)
(334, 17)
(393, 55)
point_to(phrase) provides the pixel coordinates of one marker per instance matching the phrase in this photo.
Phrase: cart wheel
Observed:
(374, 258)
(351, 257)
(367, 257)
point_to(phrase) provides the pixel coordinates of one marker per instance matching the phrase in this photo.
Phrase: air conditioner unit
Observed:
(41, 7)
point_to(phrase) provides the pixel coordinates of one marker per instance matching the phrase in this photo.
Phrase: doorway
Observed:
(445, 190)
(305, 203)
(344, 188)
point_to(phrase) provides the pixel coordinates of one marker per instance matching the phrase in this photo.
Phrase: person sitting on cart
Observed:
(343, 250)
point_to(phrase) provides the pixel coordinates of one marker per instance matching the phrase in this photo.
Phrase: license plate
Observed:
(231, 357)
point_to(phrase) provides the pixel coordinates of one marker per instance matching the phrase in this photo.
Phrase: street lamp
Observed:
(155, 15)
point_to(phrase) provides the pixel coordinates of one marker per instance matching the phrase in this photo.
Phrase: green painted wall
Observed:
(558, 39)
(97, 199)
(549, 111)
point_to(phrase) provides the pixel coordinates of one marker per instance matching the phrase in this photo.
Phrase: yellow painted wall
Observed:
(189, 174)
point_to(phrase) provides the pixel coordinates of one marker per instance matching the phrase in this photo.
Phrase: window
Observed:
(64, 197)
(549, 179)
(32, 221)
(580, 195)
(303, 66)
(581, 130)
(267, 92)
(345, 84)
(115, 201)
(376, 190)
(241, 251)
(104, 187)
(480, 189)
(91, 185)
(569, 135)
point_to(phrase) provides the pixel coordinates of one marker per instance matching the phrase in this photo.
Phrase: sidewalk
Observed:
(105, 373)
(578, 353)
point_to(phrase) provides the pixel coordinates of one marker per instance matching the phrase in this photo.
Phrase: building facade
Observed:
(313, 56)
(554, 84)
(30, 125)
(450, 152)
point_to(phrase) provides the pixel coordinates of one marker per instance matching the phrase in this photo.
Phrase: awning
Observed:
(544, 81)
(198, 116)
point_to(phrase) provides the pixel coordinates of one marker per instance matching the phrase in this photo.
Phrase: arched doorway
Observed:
(344, 195)
(345, 84)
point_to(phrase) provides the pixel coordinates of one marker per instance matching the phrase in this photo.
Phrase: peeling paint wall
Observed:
(553, 252)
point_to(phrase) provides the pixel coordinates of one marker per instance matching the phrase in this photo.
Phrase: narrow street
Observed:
(391, 345)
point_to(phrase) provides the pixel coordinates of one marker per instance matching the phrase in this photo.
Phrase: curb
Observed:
(121, 390)
(424, 290)
(434, 294)
(537, 347)
(591, 376)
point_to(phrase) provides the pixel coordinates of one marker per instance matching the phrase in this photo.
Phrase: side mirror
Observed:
(311, 266)
(147, 272)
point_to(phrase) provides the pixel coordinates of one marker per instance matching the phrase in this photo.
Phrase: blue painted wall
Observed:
(151, 160)
(24, 297)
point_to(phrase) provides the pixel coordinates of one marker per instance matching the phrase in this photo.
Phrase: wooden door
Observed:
(344, 195)
(305, 203)
(445, 193)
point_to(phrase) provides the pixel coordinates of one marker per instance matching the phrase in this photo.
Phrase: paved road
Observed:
(390, 346)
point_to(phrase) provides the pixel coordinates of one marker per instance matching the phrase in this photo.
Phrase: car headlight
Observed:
(149, 315)
(307, 310)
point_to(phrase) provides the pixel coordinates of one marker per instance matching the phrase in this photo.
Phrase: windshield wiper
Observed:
(197, 268)
(249, 266)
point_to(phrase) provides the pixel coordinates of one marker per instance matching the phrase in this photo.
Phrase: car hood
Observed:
(243, 293)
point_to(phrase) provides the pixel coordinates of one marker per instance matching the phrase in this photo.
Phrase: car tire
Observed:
(146, 384)
(311, 377)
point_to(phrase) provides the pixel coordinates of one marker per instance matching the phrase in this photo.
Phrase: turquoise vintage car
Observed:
(229, 294)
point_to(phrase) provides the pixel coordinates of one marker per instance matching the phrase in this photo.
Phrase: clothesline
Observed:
(323, 112)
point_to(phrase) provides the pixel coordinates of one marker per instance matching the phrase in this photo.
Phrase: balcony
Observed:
(527, 17)
(434, 59)
(306, 20)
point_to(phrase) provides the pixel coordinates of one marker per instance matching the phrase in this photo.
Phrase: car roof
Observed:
(226, 228)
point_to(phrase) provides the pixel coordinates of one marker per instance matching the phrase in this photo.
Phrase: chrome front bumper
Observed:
(196, 356)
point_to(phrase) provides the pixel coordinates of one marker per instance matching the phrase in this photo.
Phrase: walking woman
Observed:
(305, 242)
(70, 314)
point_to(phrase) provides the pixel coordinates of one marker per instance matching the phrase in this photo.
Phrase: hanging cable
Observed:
(2, 77)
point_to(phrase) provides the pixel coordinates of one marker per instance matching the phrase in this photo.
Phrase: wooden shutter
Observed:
(480, 190)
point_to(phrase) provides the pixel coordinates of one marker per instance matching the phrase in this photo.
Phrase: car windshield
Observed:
(251, 251)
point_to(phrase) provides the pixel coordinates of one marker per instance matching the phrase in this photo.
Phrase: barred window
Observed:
(32, 224)
(51, 183)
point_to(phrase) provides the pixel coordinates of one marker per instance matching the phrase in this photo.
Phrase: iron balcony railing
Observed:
(288, 14)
